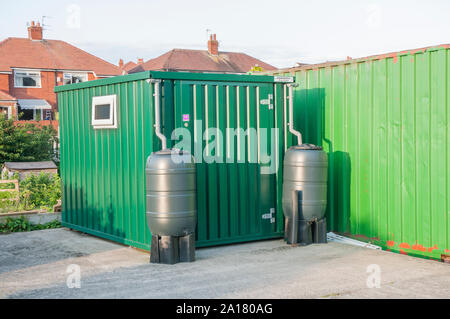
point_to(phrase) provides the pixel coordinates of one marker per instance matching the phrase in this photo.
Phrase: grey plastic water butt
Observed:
(305, 194)
(171, 206)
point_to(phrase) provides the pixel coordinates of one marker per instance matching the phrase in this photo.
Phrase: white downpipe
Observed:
(291, 114)
(157, 116)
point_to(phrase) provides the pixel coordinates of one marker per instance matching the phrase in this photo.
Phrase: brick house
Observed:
(31, 67)
(211, 60)
(126, 67)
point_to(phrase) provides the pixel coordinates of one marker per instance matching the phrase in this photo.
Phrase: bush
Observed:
(15, 225)
(7, 186)
(25, 142)
(8, 200)
(41, 190)
(22, 224)
(10, 205)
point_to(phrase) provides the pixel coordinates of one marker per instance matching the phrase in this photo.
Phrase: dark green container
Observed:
(103, 169)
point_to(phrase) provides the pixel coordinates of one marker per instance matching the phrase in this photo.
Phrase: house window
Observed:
(27, 115)
(74, 77)
(25, 79)
(104, 111)
(48, 115)
(32, 109)
(31, 115)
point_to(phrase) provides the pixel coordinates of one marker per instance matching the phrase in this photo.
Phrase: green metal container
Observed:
(385, 123)
(103, 168)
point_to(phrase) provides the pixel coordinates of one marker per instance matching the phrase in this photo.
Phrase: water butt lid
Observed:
(311, 147)
(169, 151)
(168, 159)
(166, 151)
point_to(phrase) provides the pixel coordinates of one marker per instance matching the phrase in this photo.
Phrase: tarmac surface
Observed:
(40, 264)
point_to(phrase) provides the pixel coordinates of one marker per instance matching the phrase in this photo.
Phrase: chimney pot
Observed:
(213, 45)
(120, 63)
(140, 61)
(35, 31)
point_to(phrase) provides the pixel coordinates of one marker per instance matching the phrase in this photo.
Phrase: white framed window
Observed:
(104, 111)
(74, 77)
(27, 79)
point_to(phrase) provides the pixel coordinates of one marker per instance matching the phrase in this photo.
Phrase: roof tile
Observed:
(51, 54)
(30, 165)
(202, 61)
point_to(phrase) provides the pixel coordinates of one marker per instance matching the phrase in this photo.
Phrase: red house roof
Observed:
(202, 61)
(4, 96)
(210, 60)
(129, 66)
(51, 54)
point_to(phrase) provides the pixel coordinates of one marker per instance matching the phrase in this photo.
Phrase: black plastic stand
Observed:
(304, 232)
(171, 250)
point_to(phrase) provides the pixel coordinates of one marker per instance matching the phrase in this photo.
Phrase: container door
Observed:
(267, 158)
(230, 125)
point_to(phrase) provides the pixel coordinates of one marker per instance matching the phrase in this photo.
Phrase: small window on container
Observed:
(104, 111)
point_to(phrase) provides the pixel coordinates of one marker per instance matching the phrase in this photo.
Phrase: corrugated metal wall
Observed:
(385, 123)
(103, 170)
(232, 197)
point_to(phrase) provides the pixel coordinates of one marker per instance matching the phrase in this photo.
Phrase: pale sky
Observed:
(278, 32)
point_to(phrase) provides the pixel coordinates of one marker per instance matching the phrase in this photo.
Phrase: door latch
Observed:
(270, 215)
(268, 101)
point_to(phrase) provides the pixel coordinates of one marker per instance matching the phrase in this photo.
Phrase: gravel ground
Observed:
(35, 265)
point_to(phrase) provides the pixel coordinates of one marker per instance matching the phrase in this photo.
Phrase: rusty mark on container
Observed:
(394, 57)
(412, 52)
(419, 247)
(403, 252)
(432, 248)
(390, 243)
(404, 245)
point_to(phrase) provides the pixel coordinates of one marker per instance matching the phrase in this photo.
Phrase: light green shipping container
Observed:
(385, 122)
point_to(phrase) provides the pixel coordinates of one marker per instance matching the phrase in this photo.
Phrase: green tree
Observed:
(25, 142)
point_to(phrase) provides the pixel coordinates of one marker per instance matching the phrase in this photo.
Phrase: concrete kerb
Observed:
(34, 217)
